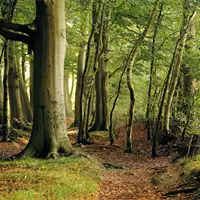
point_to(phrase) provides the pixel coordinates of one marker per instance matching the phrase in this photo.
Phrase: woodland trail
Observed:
(134, 176)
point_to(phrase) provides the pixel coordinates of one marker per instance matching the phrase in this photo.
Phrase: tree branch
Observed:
(15, 36)
(16, 27)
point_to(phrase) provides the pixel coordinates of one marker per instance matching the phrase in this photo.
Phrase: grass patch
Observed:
(191, 165)
(99, 135)
(61, 179)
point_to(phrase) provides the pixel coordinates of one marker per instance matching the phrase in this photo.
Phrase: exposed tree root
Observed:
(185, 191)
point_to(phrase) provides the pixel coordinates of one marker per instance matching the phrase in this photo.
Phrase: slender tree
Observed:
(14, 89)
(129, 64)
(68, 103)
(177, 63)
(152, 72)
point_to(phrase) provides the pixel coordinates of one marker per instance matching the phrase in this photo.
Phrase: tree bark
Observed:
(49, 134)
(152, 73)
(177, 66)
(80, 69)
(101, 78)
(31, 63)
(1, 98)
(26, 105)
(23, 60)
(5, 128)
(96, 31)
(68, 103)
(166, 85)
(14, 90)
(129, 64)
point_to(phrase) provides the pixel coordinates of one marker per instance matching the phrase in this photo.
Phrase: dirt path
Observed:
(125, 176)
(134, 176)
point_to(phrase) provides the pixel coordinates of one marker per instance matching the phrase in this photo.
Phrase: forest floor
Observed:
(134, 176)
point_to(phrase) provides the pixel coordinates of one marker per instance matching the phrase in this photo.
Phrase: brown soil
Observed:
(134, 176)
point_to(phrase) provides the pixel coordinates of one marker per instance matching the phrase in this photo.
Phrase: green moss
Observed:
(63, 178)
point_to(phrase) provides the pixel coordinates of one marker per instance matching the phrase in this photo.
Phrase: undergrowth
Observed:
(191, 165)
(191, 172)
(61, 179)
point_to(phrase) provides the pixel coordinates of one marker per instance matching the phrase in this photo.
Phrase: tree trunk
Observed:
(23, 60)
(5, 129)
(166, 85)
(68, 103)
(152, 73)
(26, 108)
(99, 105)
(1, 99)
(80, 69)
(104, 92)
(177, 66)
(71, 92)
(31, 80)
(129, 64)
(96, 31)
(7, 10)
(101, 78)
(14, 90)
(49, 134)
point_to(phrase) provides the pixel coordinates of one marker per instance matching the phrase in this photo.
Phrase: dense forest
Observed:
(92, 84)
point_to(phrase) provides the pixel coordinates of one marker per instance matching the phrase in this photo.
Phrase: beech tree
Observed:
(46, 37)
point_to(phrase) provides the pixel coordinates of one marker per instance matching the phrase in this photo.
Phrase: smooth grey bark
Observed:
(68, 103)
(49, 135)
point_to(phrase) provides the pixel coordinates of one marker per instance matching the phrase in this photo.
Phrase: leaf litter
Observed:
(134, 176)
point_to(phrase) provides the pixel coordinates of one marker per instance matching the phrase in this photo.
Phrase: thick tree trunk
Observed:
(49, 134)
(14, 90)
(101, 83)
(68, 103)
